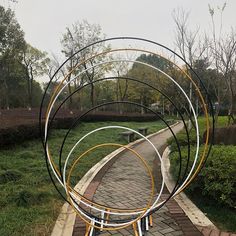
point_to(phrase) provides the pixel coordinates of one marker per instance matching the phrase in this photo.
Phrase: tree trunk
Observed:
(232, 109)
(6, 89)
(70, 92)
(6, 94)
(92, 95)
(31, 94)
(142, 109)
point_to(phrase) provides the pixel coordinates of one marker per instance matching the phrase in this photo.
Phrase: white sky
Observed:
(44, 21)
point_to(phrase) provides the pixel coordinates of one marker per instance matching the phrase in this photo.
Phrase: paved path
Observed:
(125, 184)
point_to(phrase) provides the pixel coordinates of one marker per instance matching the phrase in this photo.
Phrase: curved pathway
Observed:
(124, 183)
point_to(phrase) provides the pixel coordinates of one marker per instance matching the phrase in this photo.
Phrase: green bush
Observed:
(217, 179)
(26, 198)
(18, 134)
(224, 135)
(9, 175)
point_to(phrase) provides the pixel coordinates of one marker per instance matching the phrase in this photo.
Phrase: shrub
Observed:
(224, 135)
(27, 131)
(26, 198)
(217, 179)
(18, 134)
(227, 138)
(9, 175)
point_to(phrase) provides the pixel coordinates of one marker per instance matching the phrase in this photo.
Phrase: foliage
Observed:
(11, 45)
(34, 62)
(142, 93)
(13, 76)
(17, 134)
(182, 140)
(212, 56)
(217, 179)
(224, 135)
(139, 92)
(12, 37)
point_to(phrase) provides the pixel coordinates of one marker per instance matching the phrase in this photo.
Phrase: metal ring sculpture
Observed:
(121, 54)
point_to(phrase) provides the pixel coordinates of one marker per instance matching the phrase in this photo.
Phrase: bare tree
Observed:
(189, 43)
(218, 82)
(77, 37)
(223, 51)
(227, 67)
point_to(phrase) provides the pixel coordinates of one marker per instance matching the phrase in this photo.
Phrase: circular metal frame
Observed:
(180, 184)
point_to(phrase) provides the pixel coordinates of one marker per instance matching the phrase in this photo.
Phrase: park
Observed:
(118, 135)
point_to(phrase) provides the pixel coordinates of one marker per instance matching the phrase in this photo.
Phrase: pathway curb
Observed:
(191, 210)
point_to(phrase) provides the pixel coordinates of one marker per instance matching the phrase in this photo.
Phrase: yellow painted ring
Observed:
(68, 187)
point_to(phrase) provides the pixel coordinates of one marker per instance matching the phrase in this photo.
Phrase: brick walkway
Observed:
(124, 183)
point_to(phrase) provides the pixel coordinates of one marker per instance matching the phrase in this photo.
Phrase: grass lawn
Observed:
(28, 201)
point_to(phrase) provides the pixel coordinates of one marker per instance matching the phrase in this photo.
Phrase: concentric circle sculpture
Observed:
(123, 51)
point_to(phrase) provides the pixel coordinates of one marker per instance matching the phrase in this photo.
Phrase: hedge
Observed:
(217, 179)
(224, 135)
(21, 133)
(18, 134)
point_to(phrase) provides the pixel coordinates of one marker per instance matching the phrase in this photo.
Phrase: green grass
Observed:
(28, 201)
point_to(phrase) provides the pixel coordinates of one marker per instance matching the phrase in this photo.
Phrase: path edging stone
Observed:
(191, 210)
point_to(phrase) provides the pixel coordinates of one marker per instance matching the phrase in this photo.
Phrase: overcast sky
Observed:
(44, 21)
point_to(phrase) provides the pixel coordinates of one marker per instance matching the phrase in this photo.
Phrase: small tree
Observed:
(228, 69)
(34, 62)
(11, 45)
(189, 44)
(78, 36)
(223, 52)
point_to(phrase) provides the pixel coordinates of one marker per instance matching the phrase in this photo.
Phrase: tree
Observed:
(34, 62)
(189, 43)
(218, 81)
(11, 45)
(141, 93)
(120, 69)
(78, 36)
(223, 52)
(228, 69)
(190, 46)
